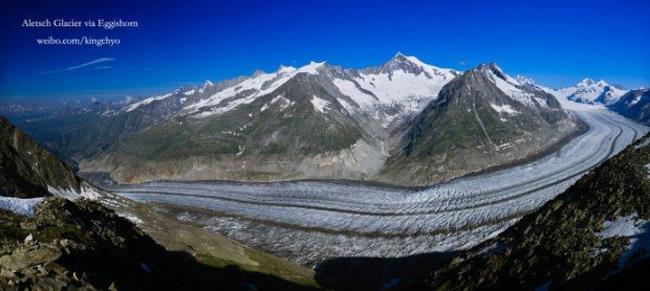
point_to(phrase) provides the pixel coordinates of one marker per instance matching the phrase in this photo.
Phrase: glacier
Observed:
(310, 221)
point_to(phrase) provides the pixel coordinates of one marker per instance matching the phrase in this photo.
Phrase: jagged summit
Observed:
(408, 64)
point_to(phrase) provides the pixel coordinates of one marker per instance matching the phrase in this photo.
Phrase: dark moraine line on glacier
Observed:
(612, 148)
(289, 205)
(182, 208)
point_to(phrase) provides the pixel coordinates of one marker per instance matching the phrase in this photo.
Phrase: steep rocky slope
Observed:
(483, 118)
(634, 105)
(28, 170)
(594, 235)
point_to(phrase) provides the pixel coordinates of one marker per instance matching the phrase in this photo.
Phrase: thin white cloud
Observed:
(93, 62)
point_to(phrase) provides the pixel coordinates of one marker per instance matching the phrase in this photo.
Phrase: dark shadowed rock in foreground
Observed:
(83, 245)
(27, 169)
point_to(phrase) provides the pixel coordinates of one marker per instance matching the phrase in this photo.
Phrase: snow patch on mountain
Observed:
(284, 103)
(248, 90)
(350, 89)
(22, 206)
(510, 87)
(319, 104)
(632, 227)
(505, 108)
(135, 106)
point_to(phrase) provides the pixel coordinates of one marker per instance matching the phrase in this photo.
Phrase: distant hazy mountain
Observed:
(635, 104)
(591, 92)
(594, 236)
(482, 118)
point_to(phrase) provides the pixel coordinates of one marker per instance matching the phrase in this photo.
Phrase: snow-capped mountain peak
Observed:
(590, 91)
(206, 85)
(248, 90)
(410, 64)
(286, 69)
(311, 68)
(404, 85)
(526, 81)
(136, 105)
(514, 88)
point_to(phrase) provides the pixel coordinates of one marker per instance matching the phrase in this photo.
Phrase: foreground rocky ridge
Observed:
(62, 244)
(83, 245)
(595, 235)
(26, 169)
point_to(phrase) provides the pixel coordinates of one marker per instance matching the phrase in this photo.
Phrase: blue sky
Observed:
(185, 42)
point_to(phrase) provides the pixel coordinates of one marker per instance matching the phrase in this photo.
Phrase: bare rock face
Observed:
(27, 169)
(635, 104)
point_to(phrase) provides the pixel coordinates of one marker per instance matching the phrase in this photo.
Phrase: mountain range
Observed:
(388, 123)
